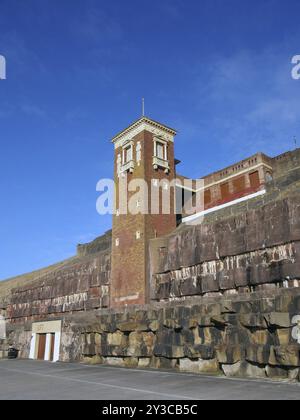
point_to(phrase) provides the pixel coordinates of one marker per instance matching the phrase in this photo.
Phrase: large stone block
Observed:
(116, 339)
(230, 354)
(278, 319)
(244, 369)
(283, 336)
(93, 360)
(140, 344)
(144, 362)
(201, 351)
(275, 372)
(253, 320)
(209, 283)
(258, 354)
(166, 336)
(132, 326)
(201, 321)
(114, 361)
(285, 355)
(163, 363)
(168, 351)
(190, 286)
(199, 366)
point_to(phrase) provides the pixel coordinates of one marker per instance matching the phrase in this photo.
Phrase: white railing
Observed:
(160, 163)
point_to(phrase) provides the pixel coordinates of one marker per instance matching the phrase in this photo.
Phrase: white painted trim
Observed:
(222, 206)
(32, 346)
(47, 347)
(56, 347)
(144, 120)
(158, 131)
(46, 327)
(249, 169)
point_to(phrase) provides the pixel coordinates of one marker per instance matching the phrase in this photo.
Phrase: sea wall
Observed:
(81, 285)
(255, 250)
(254, 335)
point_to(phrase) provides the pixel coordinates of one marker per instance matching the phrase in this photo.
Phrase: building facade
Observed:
(144, 152)
(143, 291)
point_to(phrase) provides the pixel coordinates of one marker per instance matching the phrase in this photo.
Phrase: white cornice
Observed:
(159, 130)
(194, 217)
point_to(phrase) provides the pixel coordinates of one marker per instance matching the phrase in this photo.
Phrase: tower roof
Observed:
(144, 121)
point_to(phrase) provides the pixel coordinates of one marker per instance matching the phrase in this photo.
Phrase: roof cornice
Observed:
(143, 121)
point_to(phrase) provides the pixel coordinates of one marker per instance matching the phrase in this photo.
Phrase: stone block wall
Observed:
(255, 335)
(254, 250)
(82, 285)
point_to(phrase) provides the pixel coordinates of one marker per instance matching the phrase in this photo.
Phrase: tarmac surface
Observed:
(35, 380)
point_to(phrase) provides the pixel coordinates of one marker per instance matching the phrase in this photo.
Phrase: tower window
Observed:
(127, 158)
(128, 154)
(254, 179)
(225, 191)
(239, 184)
(160, 150)
(160, 155)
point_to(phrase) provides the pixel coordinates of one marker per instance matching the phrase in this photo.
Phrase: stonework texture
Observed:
(81, 284)
(244, 248)
(256, 250)
(222, 297)
(251, 335)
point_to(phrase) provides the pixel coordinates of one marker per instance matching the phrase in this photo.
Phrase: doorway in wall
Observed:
(41, 346)
(45, 341)
(46, 344)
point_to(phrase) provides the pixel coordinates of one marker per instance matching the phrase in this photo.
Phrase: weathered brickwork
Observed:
(129, 253)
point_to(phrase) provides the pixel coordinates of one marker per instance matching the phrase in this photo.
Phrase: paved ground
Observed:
(22, 379)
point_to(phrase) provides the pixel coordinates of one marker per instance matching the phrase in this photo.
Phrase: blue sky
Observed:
(218, 71)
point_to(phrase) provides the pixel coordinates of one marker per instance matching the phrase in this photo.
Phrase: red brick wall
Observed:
(129, 259)
(237, 187)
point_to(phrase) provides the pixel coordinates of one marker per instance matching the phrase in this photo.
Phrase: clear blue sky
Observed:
(218, 71)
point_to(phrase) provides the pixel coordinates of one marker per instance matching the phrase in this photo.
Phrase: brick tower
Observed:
(143, 151)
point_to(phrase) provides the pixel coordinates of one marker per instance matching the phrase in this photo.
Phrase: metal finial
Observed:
(143, 107)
